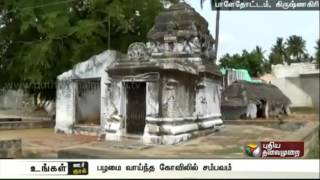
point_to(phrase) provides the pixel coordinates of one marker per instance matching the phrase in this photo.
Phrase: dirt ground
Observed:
(44, 142)
(226, 143)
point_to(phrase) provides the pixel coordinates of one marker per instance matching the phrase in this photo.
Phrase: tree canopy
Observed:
(293, 50)
(296, 48)
(40, 39)
(253, 61)
(290, 51)
(278, 53)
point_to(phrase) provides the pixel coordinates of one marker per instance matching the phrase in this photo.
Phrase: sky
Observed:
(246, 29)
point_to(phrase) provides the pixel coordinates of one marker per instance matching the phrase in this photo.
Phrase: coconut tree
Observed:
(278, 53)
(296, 47)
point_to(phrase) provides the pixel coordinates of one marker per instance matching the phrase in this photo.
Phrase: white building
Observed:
(299, 81)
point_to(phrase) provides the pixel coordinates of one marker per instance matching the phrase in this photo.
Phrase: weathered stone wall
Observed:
(16, 100)
(310, 85)
(170, 120)
(300, 82)
(208, 98)
(182, 117)
(178, 97)
(302, 91)
(293, 70)
(171, 114)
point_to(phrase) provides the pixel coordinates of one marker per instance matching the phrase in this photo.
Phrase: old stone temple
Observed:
(164, 91)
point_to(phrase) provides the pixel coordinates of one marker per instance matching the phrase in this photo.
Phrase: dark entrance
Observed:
(136, 107)
(261, 109)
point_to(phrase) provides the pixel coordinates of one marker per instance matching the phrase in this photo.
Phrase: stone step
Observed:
(10, 119)
(88, 130)
(132, 137)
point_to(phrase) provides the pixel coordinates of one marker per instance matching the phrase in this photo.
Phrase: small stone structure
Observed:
(244, 99)
(168, 89)
(164, 91)
(81, 93)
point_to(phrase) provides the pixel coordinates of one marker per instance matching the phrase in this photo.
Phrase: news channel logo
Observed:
(252, 150)
(275, 149)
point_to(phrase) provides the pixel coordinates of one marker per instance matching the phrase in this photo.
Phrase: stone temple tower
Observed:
(169, 89)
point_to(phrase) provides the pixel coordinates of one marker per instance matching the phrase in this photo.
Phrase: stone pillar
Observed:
(151, 131)
(65, 106)
(115, 117)
(152, 99)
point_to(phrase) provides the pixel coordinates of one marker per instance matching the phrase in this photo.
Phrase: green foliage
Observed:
(40, 39)
(293, 50)
(278, 53)
(253, 61)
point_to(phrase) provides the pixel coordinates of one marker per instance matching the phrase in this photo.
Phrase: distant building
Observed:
(249, 100)
(293, 70)
(299, 81)
(231, 75)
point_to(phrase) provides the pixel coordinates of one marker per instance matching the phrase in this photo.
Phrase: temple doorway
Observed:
(136, 107)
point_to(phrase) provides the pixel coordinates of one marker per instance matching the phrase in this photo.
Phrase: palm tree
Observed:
(217, 25)
(296, 47)
(258, 50)
(278, 53)
(280, 48)
(258, 61)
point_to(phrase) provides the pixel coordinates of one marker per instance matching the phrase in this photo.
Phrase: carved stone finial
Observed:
(137, 51)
